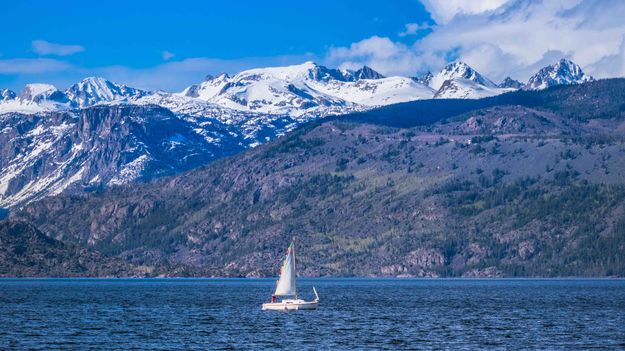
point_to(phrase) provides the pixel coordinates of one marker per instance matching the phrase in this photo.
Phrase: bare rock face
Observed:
(393, 270)
(418, 263)
(97, 147)
(425, 258)
(488, 272)
(526, 249)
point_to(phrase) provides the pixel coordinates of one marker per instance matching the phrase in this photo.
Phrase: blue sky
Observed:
(135, 34)
(169, 45)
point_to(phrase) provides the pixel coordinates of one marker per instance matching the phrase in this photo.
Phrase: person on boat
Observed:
(273, 298)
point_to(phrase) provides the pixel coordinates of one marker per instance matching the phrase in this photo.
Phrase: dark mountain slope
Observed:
(505, 190)
(26, 252)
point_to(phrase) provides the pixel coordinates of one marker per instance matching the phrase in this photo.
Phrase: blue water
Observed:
(225, 314)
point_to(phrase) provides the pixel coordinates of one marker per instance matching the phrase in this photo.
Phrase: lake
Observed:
(225, 314)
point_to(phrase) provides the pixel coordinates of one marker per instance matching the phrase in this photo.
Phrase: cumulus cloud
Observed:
(521, 33)
(504, 37)
(443, 11)
(610, 65)
(380, 53)
(43, 47)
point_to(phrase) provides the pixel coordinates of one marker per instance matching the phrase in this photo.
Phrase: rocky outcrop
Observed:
(488, 272)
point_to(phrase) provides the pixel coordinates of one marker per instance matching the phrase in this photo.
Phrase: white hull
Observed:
(291, 305)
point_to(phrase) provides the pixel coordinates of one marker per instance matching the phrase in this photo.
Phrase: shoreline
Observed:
(319, 278)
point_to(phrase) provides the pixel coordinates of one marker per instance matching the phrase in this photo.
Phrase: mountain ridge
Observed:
(296, 90)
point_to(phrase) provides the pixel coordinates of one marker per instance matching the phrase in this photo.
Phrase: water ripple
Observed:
(213, 314)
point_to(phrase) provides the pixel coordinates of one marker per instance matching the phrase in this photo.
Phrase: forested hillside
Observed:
(523, 184)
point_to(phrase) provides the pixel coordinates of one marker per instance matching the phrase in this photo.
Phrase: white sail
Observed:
(287, 284)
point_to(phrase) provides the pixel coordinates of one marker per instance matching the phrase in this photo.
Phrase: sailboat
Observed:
(287, 287)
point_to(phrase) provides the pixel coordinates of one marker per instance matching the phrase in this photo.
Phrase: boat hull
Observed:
(290, 305)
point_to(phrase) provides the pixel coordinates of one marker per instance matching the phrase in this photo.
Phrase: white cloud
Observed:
(167, 55)
(500, 38)
(414, 28)
(32, 66)
(611, 65)
(443, 11)
(517, 36)
(379, 53)
(43, 47)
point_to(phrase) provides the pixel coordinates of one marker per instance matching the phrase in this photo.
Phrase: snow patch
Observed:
(130, 171)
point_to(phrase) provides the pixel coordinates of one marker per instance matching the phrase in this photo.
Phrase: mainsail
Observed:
(287, 284)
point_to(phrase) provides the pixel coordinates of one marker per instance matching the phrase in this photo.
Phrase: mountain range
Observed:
(528, 183)
(98, 133)
(300, 90)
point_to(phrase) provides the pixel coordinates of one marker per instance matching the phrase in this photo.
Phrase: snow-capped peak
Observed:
(460, 70)
(322, 73)
(93, 90)
(36, 92)
(458, 80)
(563, 72)
(509, 83)
(367, 72)
(210, 87)
(287, 73)
(34, 98)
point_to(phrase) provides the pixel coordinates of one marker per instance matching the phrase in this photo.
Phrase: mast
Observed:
(294, 268)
